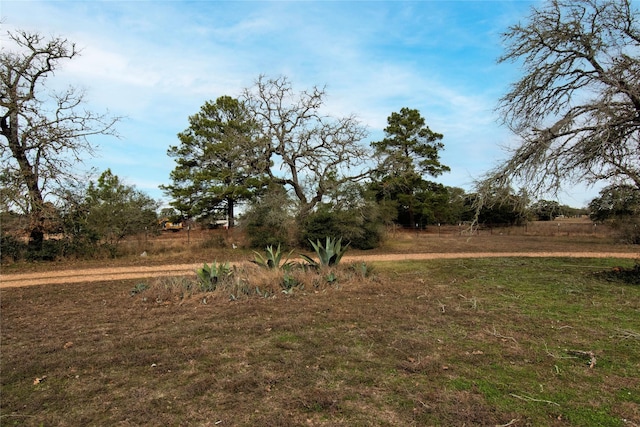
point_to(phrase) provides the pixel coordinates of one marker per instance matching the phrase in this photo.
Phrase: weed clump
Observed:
(629, 275)
(248, 279)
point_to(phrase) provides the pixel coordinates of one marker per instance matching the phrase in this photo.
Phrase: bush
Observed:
(361, 230)
(268, 222)
(262, 235)
(629, 276)
(81, 249)
(12, 248)
(627, 229)
(51, 250)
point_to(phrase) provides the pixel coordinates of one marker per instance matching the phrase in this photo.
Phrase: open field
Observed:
(199, 246)
(474, 341)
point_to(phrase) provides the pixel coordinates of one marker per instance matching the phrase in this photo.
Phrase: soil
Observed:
(86, 275)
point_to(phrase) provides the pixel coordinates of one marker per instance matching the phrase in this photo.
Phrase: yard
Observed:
(475, 341)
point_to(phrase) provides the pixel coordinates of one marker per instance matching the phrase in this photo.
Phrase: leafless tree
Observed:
(45, 132)
(577, 107)
(309, 153)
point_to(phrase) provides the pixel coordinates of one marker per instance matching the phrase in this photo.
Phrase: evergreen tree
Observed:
(218, 161)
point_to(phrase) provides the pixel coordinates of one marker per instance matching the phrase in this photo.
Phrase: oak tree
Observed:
(45, 133)
(306, 151)
(615, 202)
(576, 109)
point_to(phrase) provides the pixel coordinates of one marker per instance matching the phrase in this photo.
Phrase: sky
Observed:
(155, 63)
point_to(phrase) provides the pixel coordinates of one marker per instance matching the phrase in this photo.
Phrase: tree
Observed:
(352, 215)
(546, 210)
(408, 153)
(577, 107)
(269, 219)
(440, 204)
(303, 150)
(45, 132)
(217, 161)
(615, 202)
(456, 205)
(115, 210)
(497, 206)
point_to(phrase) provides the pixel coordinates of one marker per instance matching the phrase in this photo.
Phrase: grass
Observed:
(444, 342)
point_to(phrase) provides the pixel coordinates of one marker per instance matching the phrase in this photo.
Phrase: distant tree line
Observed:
(90, 221)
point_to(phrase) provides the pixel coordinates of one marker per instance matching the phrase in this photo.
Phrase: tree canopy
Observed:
(576, 108)
(218, 161)
(304, 150)
(408, 153)
(615, 202)
(410, 146)
(497, 206)
(546, 210)
(115, 210)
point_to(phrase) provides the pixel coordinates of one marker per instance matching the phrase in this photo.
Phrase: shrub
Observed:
(362, 229)
(621, 274)
(627, 229)
(268, 221)
(12, 248)
(50, 251)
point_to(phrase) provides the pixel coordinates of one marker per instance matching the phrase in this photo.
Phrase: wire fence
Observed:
(536, 228)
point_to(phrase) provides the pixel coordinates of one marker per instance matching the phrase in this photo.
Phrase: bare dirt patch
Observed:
(140, 272)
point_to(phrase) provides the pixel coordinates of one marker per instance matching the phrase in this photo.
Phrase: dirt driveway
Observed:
(140, 272)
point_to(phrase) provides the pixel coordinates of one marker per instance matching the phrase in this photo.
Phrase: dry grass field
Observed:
(507, 341)
(570, 235)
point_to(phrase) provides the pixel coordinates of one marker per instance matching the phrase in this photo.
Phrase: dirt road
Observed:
(133, 272)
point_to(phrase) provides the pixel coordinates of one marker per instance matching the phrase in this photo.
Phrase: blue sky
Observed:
(157, 62)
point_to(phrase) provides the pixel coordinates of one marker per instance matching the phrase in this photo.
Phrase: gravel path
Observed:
(133, 272)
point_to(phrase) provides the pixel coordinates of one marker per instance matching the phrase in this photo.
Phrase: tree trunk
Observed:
(29, 177)
(411, 216)
(36, 239)
(230, 213)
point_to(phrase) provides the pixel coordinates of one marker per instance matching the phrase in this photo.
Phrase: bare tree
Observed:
(306, 151)
(577, 107)
(45, 132)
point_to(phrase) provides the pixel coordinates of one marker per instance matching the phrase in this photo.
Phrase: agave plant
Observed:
(272, 258)
(328, 255)
(210, 275)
